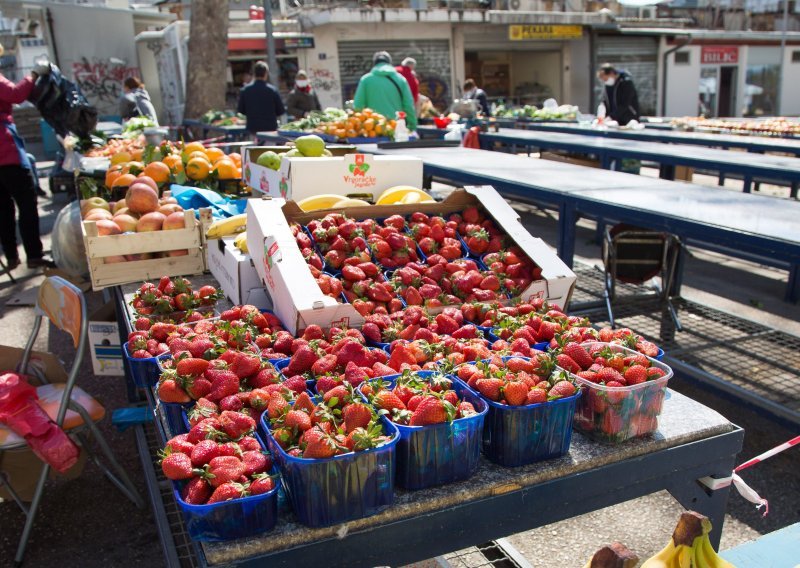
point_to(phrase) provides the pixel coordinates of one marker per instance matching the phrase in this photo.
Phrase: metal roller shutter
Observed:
(639, 57)
(433, 64)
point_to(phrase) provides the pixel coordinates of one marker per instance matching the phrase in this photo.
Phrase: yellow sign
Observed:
(543, 31)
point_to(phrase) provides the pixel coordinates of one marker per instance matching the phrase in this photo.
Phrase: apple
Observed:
(97, 214)
(125, 222)
(142, 256)
(174, 221)
(169, 199)
(141, 198)
(114, 259)
(169, 208)
(150, 222)
(183, 252)
(94, 203)
(119, 205)
(147, 180)
(106, 227)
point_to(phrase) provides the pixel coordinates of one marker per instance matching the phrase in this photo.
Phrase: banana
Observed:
(347, 202)
(227, 227)
(397, 193)
(240, 242)
(691, 528)
(664, 558)
(705, 556)
(324, 201)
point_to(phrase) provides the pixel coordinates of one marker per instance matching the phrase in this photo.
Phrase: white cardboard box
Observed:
(299, 302)
(236, 274)
(350, 175)
(105, 344)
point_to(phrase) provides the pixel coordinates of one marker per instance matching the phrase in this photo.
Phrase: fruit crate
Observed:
(440, 453)
(98, 248)
(237, 518)
(520, 435)
(325, 492)
(616, 414)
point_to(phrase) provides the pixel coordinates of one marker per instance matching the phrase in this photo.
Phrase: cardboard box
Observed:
(21, 466)
(104, 342)
(236, 274)
(298, 300)
(352, 175)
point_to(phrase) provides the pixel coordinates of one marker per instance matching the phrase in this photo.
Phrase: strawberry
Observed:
(302, 360)
(196, 491)
(249, 444)
(277, 406)
(206, 428)
(141, 324)
(197, 387)
(179, 444)
(236, 424)
(388, 401)
(203, 452)
(466, 409)
(490, 388)
(536, 396)
(337, 397)
(223, 383)
(223, 469)
(177, 466)
(297, 420)
(296, 383)
(232, 403)
(246, 365)
(356, 415)
(562, 389)
(579, 355)
(266, 376)
(262, 483)
(607, 374)
(141, 354)
(227, 491)
(319, 446)
(256, 462)
(515, 393)
(568, 363)
(432, 410)
(191, 367)
(635, 374)
(169, 391)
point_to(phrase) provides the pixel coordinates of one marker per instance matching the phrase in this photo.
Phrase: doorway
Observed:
(516, 77)
(718, 90)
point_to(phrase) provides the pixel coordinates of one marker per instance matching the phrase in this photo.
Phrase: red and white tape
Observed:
(745, 490)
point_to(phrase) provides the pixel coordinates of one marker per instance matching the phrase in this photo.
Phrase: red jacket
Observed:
(413, 82)
(10, 94)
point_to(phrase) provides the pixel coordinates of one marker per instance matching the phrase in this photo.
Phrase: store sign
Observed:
(298, 42)
(543, 31)
(719, 54)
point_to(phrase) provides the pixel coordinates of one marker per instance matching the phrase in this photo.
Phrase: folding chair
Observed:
(67, 404)
(634, 255)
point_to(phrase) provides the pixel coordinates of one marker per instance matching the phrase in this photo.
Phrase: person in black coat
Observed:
(260, 102)
(619, 94)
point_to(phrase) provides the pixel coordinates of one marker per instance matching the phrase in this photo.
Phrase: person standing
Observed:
(619, 94)
(385, 91)
(135, 101)
(16, 179)
(473, 93)
(302, 99)
(406, 69)
(260, 102)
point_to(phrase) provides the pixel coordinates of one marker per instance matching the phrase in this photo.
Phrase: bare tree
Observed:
(208, 57)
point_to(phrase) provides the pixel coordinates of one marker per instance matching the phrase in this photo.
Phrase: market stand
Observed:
(231, 133)
(748, 226)
(776, 169)
(692, 442)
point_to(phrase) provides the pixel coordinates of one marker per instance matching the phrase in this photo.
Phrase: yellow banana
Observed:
(347, 202)
(397, 193)
(663, 559)
(227, 227)
(705, 556)
(324, 201)
(240, 242)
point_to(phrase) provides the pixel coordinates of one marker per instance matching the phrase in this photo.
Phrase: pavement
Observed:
(87, 523)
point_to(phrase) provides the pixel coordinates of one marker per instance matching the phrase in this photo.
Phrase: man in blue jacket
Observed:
(260, 102)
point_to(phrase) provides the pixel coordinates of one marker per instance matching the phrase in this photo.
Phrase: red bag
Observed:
(20, 412)
(472, 139)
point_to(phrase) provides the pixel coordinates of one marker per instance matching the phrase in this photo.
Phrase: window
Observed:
(796, 56)
(761, 83)
(682, 57)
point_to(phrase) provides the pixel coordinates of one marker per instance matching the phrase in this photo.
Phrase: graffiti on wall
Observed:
(101, 80)
(323, 80)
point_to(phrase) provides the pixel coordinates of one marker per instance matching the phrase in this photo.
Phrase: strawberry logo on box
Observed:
(343, 323)
(359, 169)
(284, 187)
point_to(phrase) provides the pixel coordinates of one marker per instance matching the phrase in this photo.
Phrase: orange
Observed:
(137, 154)
(197, 169)
(132, 167)
(174, 163)
(121, 158)
(193, 147)
(214, 154)
(112, 174)
(124, 180)
(341, 133)
(159, 171)
(236, 157)
(225, 169)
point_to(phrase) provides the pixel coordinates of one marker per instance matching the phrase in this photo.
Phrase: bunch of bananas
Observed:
(227, 227)
(329, 201)
(403, 194)
(240, 242)
(689, 546)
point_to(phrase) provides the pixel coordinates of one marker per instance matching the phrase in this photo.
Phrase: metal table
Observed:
(745, 226)
(610, 152)
(231, 133)
(692, 442)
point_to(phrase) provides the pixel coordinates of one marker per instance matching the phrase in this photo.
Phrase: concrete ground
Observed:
(87, 523)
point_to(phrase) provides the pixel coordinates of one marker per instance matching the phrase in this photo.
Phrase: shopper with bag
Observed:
(16, 181)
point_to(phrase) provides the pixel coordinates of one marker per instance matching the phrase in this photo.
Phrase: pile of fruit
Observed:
(173, 299)
(344, 125)
(311, 146)
(132, 146)
(776, 126)
(417, 401)
(338, 424)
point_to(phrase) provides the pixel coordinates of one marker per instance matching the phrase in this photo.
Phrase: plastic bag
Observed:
(62, 104)
(197, 198)
(20, 412)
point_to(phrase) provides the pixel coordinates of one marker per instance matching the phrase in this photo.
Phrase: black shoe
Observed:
(11, 264)
(41, 262)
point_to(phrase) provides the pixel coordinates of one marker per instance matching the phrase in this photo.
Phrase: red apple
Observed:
(150, 222)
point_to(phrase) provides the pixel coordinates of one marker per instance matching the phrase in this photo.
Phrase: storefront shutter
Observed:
(639, 57)
(433, 65)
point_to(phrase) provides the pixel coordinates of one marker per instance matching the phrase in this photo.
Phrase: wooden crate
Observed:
(191, 238)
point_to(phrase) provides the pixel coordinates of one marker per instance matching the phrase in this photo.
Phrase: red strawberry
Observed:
(256, 462)
(432, 410)
(607, 375)
(142, 324)
(222, 469)
(246, 365)
(266, 376)
(197, 387)
(249, 444)
(227, 491)
(302, 360)
(177, 466)
(356, 415)
(191, 367)
(277, 406)
(170, 391)
(536, 396)
(515, 393)
(196, 491)
(296, 383)
(562, 389)
(568, 363)
(232, 403)
(466, 409)
(387, 400)
(180, 444)
(262, 483)
(203, 452)
(319, 446)
(579, 355)
(635, 374)
(337, 396)
(297, 420)
(223, 383)
(236, 424)
(141, 354)
(490, 388)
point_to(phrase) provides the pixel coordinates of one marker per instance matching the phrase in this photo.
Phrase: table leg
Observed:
(793, 190)
(793, 286)
(712, 504)
(605, 161)
(721, 180)
(666, 171)
(567, 217)
(748, 183)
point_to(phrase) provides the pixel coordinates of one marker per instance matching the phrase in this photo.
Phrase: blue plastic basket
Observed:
(325, 492)
(238, 518)
(144, 372)
(660, 355)
(440, 453)
(519, 435)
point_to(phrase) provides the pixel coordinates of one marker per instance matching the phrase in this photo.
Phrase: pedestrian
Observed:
(260, 102)
(473, 93)
(135, 101)
(302, 99)
(16, 180)
(406, 69)
(619, 94)
(385, 91)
